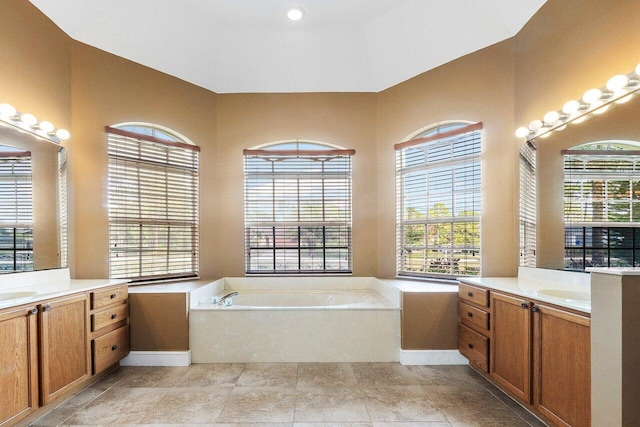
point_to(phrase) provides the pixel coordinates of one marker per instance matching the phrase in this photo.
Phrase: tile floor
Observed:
(292, 395)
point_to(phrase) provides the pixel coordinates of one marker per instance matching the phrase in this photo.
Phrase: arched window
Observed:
(297, 208)
(602, 205)
(153, 203)
(438, 188)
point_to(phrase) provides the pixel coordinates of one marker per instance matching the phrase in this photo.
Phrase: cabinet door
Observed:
(65, 349)
(510, 343)
(562, 375)
(18, 363)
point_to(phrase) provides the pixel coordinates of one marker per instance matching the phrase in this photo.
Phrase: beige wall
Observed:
(568, 47)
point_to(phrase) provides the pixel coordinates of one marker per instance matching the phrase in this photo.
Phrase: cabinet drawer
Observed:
(473, 295)
(109, 316)
(110, 348)
(474, 347)
(104, 297)
(474, 317)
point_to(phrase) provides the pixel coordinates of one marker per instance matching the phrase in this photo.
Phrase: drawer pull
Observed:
(534, 309)
(33, 311)
(470, 294)
(470, 314)
(470, 345)
(113, 296)
(113, 316)
(114, 348)
(524, 305)
(46, 308)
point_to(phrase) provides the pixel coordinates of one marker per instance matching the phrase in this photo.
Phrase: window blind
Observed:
(528, 205)
(16, 212)
(602, 208)
(153, 207)
(298, 211)
(64, 212)
(438, 193)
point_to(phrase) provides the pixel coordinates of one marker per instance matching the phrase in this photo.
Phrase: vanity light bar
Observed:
(619, 89)
(28, 122)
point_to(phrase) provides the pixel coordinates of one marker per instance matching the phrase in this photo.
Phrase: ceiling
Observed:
(239, 46)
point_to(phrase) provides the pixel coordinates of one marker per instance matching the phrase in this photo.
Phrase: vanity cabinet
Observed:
(539, 353)
(65, 355)
(18, 363)
(109, 326)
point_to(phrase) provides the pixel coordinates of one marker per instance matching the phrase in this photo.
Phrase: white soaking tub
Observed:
(293, 319)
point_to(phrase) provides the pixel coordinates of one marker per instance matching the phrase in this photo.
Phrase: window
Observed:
(527, 205)
(438, 202)
(153, 204)
(297, 209)
(16, 210)
(64, 212)
(602, 205)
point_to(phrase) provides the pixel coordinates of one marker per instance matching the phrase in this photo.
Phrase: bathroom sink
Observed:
(7, 298)
(566, 294)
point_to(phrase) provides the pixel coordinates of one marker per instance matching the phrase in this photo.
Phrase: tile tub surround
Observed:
(292, 395)
(350, 333)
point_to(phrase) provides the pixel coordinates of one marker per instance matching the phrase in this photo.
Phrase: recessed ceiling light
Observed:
(295, 13)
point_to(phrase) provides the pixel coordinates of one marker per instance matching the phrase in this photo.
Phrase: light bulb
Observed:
(580, 119)
(551, 117)
(617, 82)
(571, 107)
(7, 110)
(563, 127)
(521, 132)
(624, 99)
(295, 13)
(28, 119)
(47, 126)
(592, 95)
(601, 109)
(638, 70)
(63, 134)
(535, 125)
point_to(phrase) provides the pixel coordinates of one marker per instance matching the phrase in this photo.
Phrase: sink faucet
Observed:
(225, 300)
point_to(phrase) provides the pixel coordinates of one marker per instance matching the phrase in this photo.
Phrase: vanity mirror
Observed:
(617, 199)
(32, 203)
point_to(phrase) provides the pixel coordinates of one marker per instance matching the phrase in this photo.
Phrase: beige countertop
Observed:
(536, 289)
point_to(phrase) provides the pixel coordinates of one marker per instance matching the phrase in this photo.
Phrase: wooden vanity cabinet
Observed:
(511, 344)
(474, 325)
(65, 355)
(109, 326)
(562, 368)
(18, 363)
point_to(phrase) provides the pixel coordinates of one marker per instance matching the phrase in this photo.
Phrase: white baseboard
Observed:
(432, 357)
(157, 358)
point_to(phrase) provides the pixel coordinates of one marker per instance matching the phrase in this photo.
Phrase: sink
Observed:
(16, 297)
(566, 294)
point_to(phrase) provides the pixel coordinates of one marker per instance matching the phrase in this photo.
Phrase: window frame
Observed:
(167, 211)
(271, 234)
(426, 223)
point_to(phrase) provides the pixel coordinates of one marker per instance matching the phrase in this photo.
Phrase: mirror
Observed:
(31, 235)
(620, 122)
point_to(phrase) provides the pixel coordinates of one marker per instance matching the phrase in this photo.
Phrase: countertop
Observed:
(407, 285)
(531, 288)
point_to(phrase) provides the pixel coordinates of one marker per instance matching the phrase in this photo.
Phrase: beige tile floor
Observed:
(291, 395)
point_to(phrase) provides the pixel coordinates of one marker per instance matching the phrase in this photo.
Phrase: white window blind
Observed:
(153, 207)
(298, 209)
(527, 205)
(64, 210)
(16, 211)
(438, 189)
(602, 208)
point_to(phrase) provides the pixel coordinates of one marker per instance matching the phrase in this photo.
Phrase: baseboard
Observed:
(432, 357)
(157, 358)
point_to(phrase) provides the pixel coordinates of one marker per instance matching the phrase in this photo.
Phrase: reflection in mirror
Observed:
(32, 205)
(16, 210)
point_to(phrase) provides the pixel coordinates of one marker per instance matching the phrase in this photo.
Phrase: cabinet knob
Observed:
(114, 348)
(33, 311)
(113, 296)
(113, 316)
(524, 305)
(470, 314)
(46, 308)
(470, 345)
(470, 294)
(534, 309)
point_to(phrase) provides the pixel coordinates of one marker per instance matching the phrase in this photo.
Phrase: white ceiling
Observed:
(233, 46)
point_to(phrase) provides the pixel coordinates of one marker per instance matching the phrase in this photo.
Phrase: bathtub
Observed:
(290, 319)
